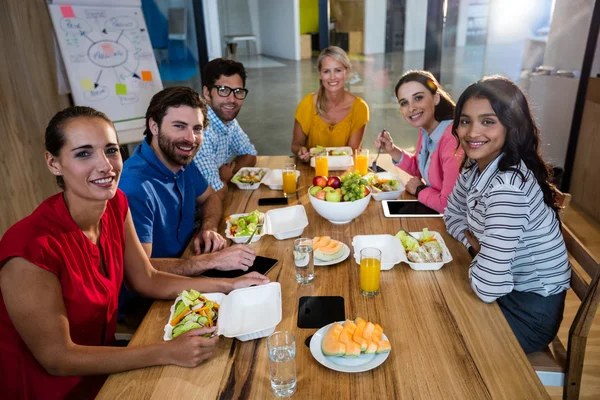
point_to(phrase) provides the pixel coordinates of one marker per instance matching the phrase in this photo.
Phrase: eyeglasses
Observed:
(224, 91)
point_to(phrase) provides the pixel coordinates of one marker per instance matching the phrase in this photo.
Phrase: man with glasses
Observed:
(226, 148)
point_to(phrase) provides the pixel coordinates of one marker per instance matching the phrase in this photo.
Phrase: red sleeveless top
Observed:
(50, 239)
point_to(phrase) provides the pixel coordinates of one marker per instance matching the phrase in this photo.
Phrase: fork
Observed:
(374, 165)
(408, 233)
(259, 226)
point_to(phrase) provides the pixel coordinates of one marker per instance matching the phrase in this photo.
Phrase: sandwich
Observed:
(193, 310)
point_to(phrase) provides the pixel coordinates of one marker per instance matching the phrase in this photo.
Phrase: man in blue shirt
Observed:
(226, 147)
(163, 192)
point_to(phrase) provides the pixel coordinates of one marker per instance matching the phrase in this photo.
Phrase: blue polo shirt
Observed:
(162, 203)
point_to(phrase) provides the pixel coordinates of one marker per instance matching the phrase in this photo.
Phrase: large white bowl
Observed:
(339, 213)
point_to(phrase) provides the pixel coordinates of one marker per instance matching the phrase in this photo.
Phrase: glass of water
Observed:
(282, 364)
(303, 259)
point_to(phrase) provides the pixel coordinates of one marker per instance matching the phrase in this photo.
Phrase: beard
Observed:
(225, 115)
(169, 148)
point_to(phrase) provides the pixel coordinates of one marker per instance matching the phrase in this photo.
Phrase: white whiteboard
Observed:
(109, 60)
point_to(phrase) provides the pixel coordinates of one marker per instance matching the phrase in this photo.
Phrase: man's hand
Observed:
(211, 240)
(412, 185)
(303, 154)
(191, 348)
(226, 172)
(250, 279)
(475, 246)
(234, 257)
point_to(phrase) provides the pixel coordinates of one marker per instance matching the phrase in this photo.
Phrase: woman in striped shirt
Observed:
(503, 209)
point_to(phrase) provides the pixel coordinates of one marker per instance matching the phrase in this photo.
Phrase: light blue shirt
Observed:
(222, 142)
(428, 145)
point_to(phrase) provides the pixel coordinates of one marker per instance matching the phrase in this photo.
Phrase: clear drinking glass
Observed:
(303, 259)
(361, 161)
(370, 270)
(288, 175)
(282, 364)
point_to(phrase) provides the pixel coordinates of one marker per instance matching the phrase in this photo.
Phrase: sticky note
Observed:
(87, 84)
(107, 49)
(121, 88)
(147, 76)
(67, 12)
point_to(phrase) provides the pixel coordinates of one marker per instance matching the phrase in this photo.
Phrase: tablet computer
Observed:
(261, 265)
(407, 209)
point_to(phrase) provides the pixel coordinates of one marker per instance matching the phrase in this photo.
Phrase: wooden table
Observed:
(446, 343)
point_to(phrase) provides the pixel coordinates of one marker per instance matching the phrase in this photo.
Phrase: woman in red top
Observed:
(61, 269)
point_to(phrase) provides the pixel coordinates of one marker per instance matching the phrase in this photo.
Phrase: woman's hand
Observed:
(412, 185)
(385, 142)
(475, 246)
(304, 154)
(191, 349)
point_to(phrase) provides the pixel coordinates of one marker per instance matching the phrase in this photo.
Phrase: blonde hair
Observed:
(340, 56)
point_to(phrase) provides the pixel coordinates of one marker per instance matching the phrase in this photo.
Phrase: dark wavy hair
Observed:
(220, 66)
(175, 96)
(522, 135)
(55, 131)
(445, 108)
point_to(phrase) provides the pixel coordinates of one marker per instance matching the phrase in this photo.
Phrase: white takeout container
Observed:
(433, 266)
(391, 249)
(337, 163)
(274, 180)
(378, 195)
(248, 186)
(244, 314)
(283, 223)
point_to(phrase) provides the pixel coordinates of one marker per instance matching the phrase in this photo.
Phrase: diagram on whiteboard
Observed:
(109, 59)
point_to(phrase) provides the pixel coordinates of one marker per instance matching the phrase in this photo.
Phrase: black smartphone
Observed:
(261, 265)
(407, 209)
(318, 311)
(273, 201)
(378, 169)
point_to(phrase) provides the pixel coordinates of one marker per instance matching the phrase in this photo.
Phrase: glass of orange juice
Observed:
(289, 179)
(361, 160)
(370, 269)
(321, 165)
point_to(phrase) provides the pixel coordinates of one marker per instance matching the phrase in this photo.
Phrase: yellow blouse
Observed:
(321, 133)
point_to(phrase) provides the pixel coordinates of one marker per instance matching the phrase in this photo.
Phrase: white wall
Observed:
(568, 33)
(255, 23)
(279, 24)
(212, 29)
(374, 37)
(416, 23)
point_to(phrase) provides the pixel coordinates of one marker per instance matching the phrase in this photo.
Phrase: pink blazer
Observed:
(443, 169)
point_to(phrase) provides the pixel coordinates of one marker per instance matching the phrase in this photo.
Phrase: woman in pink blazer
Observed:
(435, 165)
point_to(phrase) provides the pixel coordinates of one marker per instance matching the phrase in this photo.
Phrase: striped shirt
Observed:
(220, 145)
(522, 247)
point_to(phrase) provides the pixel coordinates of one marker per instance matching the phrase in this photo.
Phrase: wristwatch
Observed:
(418, 190)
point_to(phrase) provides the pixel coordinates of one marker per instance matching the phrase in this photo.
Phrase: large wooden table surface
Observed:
(446, 343)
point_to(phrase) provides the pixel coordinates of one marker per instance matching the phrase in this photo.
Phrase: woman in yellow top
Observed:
(331, 117)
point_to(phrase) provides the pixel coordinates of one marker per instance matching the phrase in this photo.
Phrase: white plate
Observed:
(250, 186)
(364, 362)
(274, 180)
(242, 239)
(431, 266)
(388, 195)
(337, 163)
(392, 251)
(341, 258)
